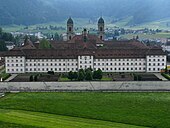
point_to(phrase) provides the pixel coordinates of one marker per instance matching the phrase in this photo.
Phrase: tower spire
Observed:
(70, 28)
(101, 25)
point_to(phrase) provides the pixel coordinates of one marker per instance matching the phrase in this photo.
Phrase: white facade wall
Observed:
(120, 65)
(56, 65)
(15, 64)
(22, 65)
(156, 63)
(85, 62)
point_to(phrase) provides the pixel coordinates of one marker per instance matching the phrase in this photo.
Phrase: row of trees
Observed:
(4, 37)
(86, 74)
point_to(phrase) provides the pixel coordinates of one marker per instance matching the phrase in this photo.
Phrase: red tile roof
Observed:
(77, 46)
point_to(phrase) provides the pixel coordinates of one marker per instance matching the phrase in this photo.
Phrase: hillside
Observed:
(40, 11)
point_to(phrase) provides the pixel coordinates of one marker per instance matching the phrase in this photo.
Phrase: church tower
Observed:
(70, 29)
(101, 33)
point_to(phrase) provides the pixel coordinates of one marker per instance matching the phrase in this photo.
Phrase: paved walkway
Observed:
(160, 76)
(11, 77)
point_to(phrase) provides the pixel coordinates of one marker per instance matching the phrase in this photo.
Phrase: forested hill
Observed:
(39, 11)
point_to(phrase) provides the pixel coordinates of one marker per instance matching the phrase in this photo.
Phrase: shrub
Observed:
(80, 76)
(35, 78)
(71, 75)
(50, 72)
(31, 78)
(75, 75)
(98, 74)
(89, 75)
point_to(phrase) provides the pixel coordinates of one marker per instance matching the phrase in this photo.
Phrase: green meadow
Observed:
(85, 110)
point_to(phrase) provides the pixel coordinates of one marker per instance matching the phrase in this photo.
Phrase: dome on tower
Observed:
(70, 21)
(101, 21)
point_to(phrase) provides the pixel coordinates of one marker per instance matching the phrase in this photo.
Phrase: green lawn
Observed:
(45, 120)
(13, 125)
(137, 109)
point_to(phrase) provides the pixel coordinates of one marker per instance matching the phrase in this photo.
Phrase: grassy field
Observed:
(132, 109)
(148, 36)
(36, 119)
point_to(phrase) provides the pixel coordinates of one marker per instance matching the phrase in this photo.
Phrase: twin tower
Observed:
(70, 29)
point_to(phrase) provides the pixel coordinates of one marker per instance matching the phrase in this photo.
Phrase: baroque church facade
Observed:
(86, 51)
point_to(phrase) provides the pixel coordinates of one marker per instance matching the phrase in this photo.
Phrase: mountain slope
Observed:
(39, 11)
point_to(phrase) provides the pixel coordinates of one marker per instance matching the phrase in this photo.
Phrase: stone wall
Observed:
(84, 86)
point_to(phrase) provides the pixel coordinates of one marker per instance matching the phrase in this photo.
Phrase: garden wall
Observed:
(84, 86)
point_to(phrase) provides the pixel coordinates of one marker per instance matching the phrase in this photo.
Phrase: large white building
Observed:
(84, 51)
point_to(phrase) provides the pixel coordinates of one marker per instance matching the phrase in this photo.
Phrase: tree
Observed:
(7, 36)
(3, 46)
(56, 36)
(89, 75)
(35, 78)
(45, 44)
(81, 70)
(80, 76)
(0, 30)
(98, 74)
(71, 75)
(75, 76)
(31, 78)
(95, 75)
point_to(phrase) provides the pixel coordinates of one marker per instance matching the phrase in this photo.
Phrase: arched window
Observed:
(69, 37)
(101, 37)
(70, 29)
(101, 29)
